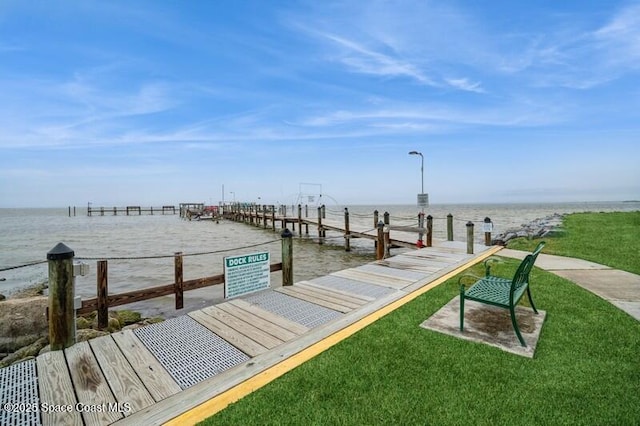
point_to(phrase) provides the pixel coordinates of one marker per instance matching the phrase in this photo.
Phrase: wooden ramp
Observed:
(155, 373)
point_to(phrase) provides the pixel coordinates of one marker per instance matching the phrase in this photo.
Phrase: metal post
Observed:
(287, 257)
(62, 325)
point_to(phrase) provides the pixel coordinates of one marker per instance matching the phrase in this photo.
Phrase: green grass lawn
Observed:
(611, 239)
(586, 370)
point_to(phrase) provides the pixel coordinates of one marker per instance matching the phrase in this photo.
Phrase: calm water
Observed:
(26, 235)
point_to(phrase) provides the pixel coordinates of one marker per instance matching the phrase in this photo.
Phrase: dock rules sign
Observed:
(246, 274)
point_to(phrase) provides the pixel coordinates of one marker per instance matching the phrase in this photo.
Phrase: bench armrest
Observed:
(470, 278)
(487, 265)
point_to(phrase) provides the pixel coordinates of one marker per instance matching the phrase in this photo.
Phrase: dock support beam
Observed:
(380, 242)
(347, 232)
(469, 237)
(103, 294)
(62, 316)
(287, 257)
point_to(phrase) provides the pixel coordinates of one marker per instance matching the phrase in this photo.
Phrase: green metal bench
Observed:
(502, 292)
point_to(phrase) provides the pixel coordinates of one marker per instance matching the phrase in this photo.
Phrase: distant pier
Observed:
(128, 210)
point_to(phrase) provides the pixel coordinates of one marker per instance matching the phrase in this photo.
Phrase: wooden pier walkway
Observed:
(159, 372)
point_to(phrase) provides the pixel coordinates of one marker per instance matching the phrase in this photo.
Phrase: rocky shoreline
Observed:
(538, 228)
(24, 328)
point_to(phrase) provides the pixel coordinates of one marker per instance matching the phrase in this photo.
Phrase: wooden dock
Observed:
(318, 224)
(128, 210)
(156, 373)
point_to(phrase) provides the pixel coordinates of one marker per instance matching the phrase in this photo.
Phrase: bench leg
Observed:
(531, 300)
(512, 310)
(461, 307)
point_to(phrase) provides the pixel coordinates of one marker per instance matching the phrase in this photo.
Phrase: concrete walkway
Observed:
(620, 288)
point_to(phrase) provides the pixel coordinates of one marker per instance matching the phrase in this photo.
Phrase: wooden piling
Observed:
(386, 218)
(429, 231)
(449, 227)
(62, 325)
(287, 257)
(380, 241)
(488, 227)
(103, 294)
(469, 237)
(178, 284)
(320, 231)
(299, 220)
(387, 242)
(421, 227)
(273, 217)
(347, 232)
(375, 218)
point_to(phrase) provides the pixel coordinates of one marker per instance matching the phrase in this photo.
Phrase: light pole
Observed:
(421, 167)
(234, 196)
(421, 200)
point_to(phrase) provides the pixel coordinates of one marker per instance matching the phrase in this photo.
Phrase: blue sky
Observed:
(158, 102)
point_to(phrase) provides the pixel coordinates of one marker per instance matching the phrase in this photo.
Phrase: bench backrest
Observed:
(521, 277)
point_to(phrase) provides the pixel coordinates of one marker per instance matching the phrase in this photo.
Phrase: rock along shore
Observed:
(538, 228)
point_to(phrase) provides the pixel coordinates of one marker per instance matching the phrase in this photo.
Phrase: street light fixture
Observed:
(421, 167)
(423, 199)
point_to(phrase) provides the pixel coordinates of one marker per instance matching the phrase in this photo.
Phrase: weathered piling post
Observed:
(421, 232)
(324, 212)
(380, 241)
(347, 232)
(320, 230)
(429, 231)
(449, 227)
(62, 324)
(287, 257)
(264, 216)
(178, 284)
(306, 215)
(299, 220)
(487, 228)
(386, 218)
(103, 294)
(375, 218)
(273, 217)
(469, 237)
(387, 242)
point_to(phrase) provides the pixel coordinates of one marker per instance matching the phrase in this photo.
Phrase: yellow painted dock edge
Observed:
(224, 399)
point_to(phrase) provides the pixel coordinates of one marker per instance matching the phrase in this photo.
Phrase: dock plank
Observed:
(283, 322)
(349, 297)
(370, 278)
(55, 387)
(123, 380)
(237, 339)
(326, 295)
(90, 384)
(290, 291)
(155, 377)
(267, 326)
(322, 285)
(249, 330)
